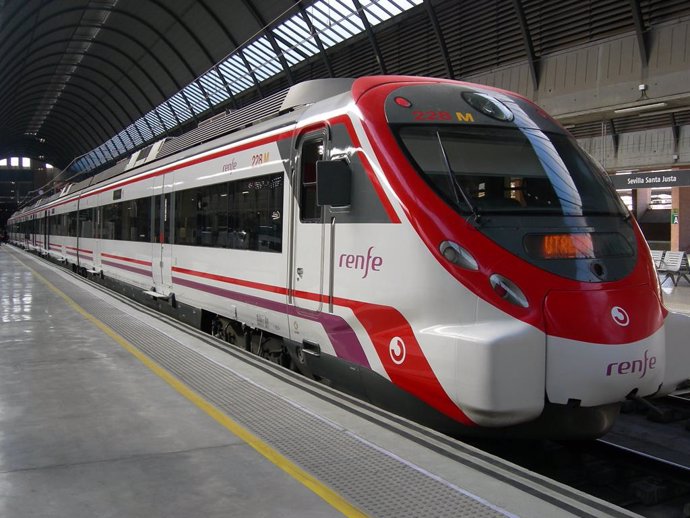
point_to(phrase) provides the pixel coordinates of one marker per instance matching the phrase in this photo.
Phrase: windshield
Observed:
(490, 169)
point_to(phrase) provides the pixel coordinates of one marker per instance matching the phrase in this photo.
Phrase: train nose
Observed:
(603, 344)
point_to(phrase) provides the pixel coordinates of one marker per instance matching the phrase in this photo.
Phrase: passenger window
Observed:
(312, 150)
(243, 215)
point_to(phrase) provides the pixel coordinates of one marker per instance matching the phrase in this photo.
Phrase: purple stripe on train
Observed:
(341, 335)
(147, 273)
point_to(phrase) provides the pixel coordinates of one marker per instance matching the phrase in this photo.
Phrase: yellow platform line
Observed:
(309, 481)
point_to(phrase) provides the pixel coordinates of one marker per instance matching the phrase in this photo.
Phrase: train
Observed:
(441, 249)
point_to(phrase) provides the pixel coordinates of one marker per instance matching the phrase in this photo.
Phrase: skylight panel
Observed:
(196, 98)
(180, 106)
(328, 24)
(333, 20)
(99, 156)
(236, 74)
(166, 114)
(144, 130)
(154, 122)
(346, 15)
(134, 137)
(262, 59)
(295, 31)
(214, 86)
(126, 139)
(296, 45)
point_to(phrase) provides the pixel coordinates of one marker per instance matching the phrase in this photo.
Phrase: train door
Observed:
(161, 252)
(34, 229)
(49, 221)
(95, 217)
(308, 233)
(46, 230)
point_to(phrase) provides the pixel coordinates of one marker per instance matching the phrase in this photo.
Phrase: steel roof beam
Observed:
(107, 120)
(28, 106)
(639, 31)
(115, 49)
(527, 42)
(439, 38)
(100, 73)
(371, 36)
(74, 130)
(89, 138)
(79, 108)
(115, 10)
(105, 93)
(317, 39)
(263, 27)
(138, 43)
(198, 42)
(232, 40)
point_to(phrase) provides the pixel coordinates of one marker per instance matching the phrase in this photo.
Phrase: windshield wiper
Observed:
(457, 188)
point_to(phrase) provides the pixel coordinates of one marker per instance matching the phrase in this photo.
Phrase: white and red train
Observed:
(442, 249)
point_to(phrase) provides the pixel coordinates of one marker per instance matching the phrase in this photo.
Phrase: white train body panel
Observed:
(488, 341)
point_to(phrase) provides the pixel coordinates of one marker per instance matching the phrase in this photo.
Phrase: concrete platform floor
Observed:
(86, 430)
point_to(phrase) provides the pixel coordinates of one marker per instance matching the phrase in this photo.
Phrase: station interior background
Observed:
(87, 83)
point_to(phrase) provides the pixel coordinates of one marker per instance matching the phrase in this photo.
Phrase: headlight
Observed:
(508, 290)
(456, 254)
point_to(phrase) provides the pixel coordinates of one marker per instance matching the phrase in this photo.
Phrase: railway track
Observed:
(642, 464)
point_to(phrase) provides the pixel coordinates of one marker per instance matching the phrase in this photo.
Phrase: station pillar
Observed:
(640, 201)
(680, 218)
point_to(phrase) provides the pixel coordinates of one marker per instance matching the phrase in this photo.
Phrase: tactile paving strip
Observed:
(374, 481)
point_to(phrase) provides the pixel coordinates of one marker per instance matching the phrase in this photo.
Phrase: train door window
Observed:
(141, 224)
(85, 223)
(312, 150)
(161, 219)
(156, 237)
(167, 211)
(96, 222)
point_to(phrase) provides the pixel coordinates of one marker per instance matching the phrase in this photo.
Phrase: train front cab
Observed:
(558, 254)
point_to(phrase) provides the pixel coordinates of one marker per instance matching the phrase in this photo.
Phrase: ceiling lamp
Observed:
(640, 108)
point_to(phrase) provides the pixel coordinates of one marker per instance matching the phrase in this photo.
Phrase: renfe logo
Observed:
(359, 262)
(620, 316)
(647, 362)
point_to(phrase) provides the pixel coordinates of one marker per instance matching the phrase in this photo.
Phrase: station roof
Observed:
(86, 82)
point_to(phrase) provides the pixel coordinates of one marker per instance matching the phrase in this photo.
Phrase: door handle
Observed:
(311, 348)
(300, 273)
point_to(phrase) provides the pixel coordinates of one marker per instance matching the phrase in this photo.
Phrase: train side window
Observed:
(85, 223)
(312, 151)
(111, 224)
(72, 223)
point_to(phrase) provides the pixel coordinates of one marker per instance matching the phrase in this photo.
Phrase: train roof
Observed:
(278, 110)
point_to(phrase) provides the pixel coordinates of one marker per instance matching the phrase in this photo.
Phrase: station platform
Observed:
(108, 408)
